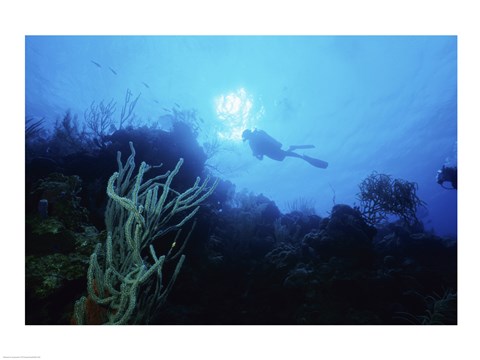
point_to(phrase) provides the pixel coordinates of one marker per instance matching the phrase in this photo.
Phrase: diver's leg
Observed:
(292, 154)
(296, 147)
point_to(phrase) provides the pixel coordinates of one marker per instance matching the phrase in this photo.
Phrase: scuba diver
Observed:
(263, 144)
(447, 173)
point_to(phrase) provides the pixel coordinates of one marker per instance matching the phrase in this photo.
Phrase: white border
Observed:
(242, 17)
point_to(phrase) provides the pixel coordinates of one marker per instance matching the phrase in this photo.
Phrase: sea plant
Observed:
(382, 196)
(126, 281)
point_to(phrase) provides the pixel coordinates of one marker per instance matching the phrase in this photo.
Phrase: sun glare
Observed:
(234, 112)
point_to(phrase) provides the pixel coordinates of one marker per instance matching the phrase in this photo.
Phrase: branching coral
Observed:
(33, 127)
(442, 309)
(303, 205)
(381, 196)
(100, 121)
(69, 136)
(99, 118)
(127, 113)
(125, 276)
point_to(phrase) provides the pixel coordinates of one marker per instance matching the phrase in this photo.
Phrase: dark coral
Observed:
(344, 235)
(381, 195)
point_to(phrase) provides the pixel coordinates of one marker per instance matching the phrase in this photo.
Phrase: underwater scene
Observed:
(241, 180)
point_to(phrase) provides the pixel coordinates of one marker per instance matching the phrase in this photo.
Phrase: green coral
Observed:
(125, 274)
(45, 275)
(62, 192)
(442, 310)
(46, 227)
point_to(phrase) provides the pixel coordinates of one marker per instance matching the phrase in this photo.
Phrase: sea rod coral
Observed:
(125, 279)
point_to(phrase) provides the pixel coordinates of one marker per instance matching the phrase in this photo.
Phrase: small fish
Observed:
(156, 101)
(97, 64)
(167, 110)
(177, 105)
(113, 71)
(146, 85)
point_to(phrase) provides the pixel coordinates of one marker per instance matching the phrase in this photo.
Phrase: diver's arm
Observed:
(256, 150)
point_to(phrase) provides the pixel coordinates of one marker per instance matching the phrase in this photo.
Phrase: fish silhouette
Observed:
(97, 64)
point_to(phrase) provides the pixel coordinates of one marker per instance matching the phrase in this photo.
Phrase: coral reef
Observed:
(247, 262)
(58, 244)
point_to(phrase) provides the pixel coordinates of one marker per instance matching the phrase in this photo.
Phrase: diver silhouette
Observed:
(263, 144)
(447, 174)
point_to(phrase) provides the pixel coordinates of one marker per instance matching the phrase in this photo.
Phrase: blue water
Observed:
(387, 104)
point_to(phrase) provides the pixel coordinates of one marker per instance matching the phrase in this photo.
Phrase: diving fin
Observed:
(315, 162)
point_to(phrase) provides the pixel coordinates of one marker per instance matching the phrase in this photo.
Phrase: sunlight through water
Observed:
(234, 110)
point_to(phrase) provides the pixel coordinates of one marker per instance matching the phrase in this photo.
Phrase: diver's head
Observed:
(246, 134)
(441, 178)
